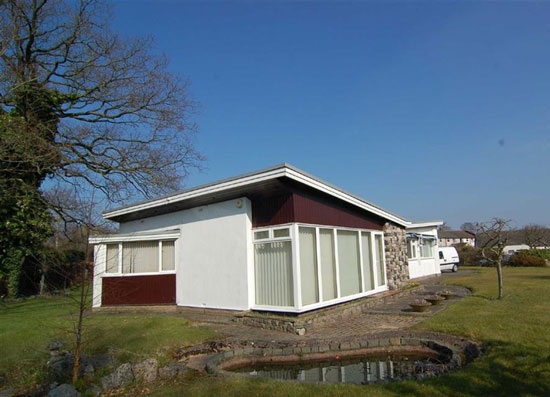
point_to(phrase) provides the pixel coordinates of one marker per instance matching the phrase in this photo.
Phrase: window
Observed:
(141, 257)
(308, 266)
(278, 233)
(168, 255)
(112, 258)
(273, 274)
(441, 255)
(426, 248)
(379, 259)
(328, 264)
(261, 235)
(367, 262)
(348, 261)
(411, 248)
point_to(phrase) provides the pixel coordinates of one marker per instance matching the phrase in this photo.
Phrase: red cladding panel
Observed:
(272, 211)
(139, 290)
(317, 210)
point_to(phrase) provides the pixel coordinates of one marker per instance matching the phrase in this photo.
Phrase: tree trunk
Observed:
(499, 274)
(42, 283)
(78, 347)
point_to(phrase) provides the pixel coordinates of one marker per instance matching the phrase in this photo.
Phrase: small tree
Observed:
(495, 237)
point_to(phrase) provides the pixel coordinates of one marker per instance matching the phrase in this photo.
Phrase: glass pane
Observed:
(281, 233)
(328, 264)
(308, 266)
(348, 262)
(168, 255)
(273, 274)
(379, 259)
(112, 258)
(261, 235)
(368, 269)
(140, 257)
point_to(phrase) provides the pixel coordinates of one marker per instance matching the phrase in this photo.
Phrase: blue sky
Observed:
(433, 110)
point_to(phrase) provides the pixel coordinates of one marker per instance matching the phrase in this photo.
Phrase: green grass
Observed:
(516, 331)
(28, 325)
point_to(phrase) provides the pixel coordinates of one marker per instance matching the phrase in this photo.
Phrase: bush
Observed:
(469, 256)
(527, 258)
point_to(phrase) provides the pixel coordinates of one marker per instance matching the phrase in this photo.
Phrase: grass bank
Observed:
(28, 325)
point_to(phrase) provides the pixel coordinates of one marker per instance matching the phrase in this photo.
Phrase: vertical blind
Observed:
(273, 274)
(308, 266)
(368, 272)
(328, 264)
(348, 262)
(112, 258)
(168, 255)
(379, 259)
(140, 257)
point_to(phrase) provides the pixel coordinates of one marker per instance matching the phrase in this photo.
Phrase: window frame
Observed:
(293, 237)
(159, 271)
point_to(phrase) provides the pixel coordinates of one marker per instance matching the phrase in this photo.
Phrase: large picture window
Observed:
(329, 264)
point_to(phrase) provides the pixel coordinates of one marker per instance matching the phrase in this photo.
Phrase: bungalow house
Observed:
(278, 239)
(448, 238)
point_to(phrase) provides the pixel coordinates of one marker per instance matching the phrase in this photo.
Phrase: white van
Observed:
(448, 258)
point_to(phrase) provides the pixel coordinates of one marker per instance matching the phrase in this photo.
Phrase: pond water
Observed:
(364, 370)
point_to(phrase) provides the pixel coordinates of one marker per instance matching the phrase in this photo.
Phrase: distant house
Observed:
(448, 238)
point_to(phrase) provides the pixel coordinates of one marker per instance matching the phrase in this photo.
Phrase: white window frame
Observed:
(295, 244)
(159, 240)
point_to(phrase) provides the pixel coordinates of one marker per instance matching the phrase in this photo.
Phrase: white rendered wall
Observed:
(99, 269)
(214, 263)
(420, 267)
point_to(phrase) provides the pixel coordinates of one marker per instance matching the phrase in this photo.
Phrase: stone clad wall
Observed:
(395, 241)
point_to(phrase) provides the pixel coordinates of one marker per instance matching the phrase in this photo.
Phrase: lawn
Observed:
(516, 331)
(28, 325)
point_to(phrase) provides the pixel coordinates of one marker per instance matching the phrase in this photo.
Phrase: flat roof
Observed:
(231, 187)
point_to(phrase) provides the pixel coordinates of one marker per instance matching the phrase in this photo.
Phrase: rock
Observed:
(172, 371)
(64, 390)
(9, 392)
(120, 377)
(93, 390)
(55, 345)
(146, 370)
(103, 361)
(301, 331)
(61, 367)
(89, 371)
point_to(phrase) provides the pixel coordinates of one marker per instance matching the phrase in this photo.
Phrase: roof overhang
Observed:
(141, 236)
(233, 187)
(418, 225)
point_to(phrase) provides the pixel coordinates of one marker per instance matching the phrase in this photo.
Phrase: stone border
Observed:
(303, 323)
(458, 351)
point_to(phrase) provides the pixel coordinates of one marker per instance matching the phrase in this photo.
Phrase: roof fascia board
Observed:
(115, 238)
(197, 192)
(424, 224)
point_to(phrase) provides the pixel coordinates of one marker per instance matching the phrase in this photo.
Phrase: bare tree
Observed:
(534, 235)
(470, 227)
(111, 116)
(495, 237)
